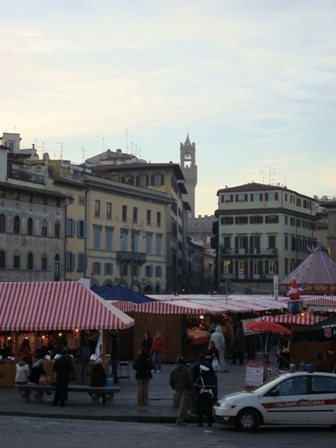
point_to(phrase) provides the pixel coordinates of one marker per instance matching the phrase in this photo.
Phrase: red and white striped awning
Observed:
(305, 319)
(176, 307)
(43, 306)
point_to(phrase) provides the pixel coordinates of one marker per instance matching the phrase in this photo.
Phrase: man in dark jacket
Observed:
(181, 381)
(63, 366)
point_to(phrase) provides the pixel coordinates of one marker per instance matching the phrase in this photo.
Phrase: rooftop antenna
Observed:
(262, 176)
(103, 144)
(62, 144)
(82, 150)
(132, 147)
(136, 150)
(126, 141)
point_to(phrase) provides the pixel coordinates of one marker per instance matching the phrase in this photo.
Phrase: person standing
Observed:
(321, 365)
(330, 358)
(238, 347)
(115, 354)
(204, 390)
(219, 341)
(147, 342)
(98, 376)
(63, 366)
(180, 380)
(158, 346)
(143, 367)
(83, 358)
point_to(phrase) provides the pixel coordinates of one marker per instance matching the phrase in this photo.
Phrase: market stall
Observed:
(38, 310)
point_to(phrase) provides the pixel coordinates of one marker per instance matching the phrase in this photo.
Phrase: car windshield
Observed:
(260, 389)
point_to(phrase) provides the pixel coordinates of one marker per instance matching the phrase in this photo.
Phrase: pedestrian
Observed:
(195, 372)
(25, 352)
(158, 346)
(211, 352)
(321, 365)
(180, 380)
(204, 391)
(238, 347)
(147, 342)
(143, 366)
(37, 371)
(219, 341)
(82, 356)
(115, 354)
(63, 366)
(98, 376)
(330, 358)
(22, 372)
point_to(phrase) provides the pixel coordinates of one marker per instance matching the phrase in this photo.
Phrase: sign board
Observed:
(254, 374)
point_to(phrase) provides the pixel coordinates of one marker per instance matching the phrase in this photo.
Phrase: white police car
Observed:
(296, 398)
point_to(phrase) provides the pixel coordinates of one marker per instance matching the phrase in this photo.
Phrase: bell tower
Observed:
(189, 170)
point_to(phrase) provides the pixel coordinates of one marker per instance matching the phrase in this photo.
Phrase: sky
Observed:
(251, 81)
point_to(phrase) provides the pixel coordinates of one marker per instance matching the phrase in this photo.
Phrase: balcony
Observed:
(250, 251)
(26, 176)
(127, 257)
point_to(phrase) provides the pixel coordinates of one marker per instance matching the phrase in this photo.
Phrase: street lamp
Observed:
(135, 229)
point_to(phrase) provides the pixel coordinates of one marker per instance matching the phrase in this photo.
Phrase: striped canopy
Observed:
(306, 319)
(43, 306)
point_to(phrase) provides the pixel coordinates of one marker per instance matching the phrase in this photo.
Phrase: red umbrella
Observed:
(264, 325)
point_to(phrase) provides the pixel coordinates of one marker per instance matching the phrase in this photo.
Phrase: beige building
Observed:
(165, 178)
(263, 231)
(115, 233)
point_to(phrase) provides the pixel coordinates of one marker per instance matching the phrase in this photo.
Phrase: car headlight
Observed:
(228, 403)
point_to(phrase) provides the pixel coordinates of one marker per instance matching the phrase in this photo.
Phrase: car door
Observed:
(288, 402)
(322, 400)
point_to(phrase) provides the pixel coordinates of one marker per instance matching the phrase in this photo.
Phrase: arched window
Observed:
(2, 259)
(30, 226)
(16, 224)
(44, 228)
(57, 230)
(2, 223)
(30, 261)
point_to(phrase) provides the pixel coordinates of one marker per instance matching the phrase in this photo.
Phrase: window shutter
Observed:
(276, 196)
(73, 228)
(266, 196)
(246, 197)
(251, 197)
(261, 196)
(236, 198)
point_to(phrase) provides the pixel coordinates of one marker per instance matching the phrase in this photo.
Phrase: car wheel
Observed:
(247, 420)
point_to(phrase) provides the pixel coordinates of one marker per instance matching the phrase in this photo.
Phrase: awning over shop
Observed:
(43, 306)
(305, 319)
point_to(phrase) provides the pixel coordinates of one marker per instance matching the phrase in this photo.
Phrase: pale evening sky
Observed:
(252, 80)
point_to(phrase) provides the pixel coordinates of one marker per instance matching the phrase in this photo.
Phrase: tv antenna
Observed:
(82, 150)
(62, 146)
(126, 135)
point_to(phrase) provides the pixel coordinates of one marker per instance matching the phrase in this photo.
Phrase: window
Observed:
(272, 267)
(241, 220)
(256, 197)
(271, 219)
(142, 181)
(30, 226)
(82, 262)
(16, 261)
(227, 268)
(30, 261)
(158, 271)
(298, 202)
(298, 223)
(81, 201)
(227, 220)
(97, 208)
(57, 275)
(158, 244)
(71, 227)
(227, 242)
(241, 197)
(70, 261)
(149, 217)
(271, 196)
(30, 197)
(124, 213)
(16, 224)
(293, 243)
(108, 239)
(135, 214)
(304, 224)
(109, 210)
(286, 220)
(44, 228)
(127, 180)
(292, 199)
(323, 385)
(148, 243)
(286, 242)
(227, 198)
(299, 244)
(271, 241)
(292, 222)
(96, 268)
(157, 179)
(148, 271)
(81, 228)
(286, 266)
(158, 219)
(57, 230)
(123, 270)
(2, 259)
(44, 263)
(96, 236)
(2, 223)
(256, 219)
(108, 269)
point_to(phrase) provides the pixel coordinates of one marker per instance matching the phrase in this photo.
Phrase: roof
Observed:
(41, 191)
(43, 306)
(318, 268)
(254, 186)
(139, 167)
